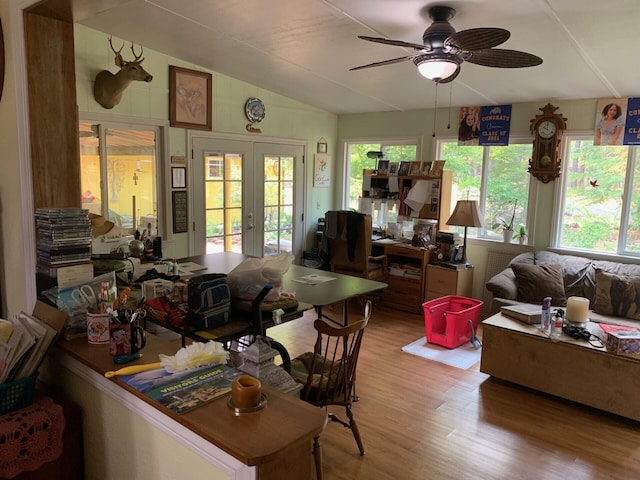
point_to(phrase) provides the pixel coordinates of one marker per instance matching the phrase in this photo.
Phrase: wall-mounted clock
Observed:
(254, 110)
(547, 130)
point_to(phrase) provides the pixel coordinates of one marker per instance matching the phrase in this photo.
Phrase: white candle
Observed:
(577, 309)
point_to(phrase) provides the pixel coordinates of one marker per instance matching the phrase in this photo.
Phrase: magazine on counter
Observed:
(184, 391)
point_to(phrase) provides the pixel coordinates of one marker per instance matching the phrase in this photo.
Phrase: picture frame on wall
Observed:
(190, 98)
(178, 177)
(322, 147)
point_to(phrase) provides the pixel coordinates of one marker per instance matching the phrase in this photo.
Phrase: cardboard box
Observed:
(624, 342)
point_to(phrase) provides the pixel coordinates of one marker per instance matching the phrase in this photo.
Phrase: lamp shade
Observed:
(466, 214)
(437, 66)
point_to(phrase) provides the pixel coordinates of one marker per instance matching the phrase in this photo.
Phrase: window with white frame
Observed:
(599, 198)
(495, 176)
(394, 150)
(120, 167)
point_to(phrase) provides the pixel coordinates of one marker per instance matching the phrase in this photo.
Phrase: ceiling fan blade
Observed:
(500, 58)
(385, 62)
(478, 38)
(397, 43)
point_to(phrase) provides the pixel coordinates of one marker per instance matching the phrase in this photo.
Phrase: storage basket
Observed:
(17, 394)
(446, 320)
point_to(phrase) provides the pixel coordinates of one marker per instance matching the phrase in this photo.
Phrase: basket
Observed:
(17, 394)
(446, 320)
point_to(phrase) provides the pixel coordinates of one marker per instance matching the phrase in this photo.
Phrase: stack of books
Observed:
(63, 240)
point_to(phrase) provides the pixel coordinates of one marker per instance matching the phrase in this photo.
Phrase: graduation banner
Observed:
(495, 123)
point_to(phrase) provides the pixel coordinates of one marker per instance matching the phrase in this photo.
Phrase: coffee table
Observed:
(570, 369)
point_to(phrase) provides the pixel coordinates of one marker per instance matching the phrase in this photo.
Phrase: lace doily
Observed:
(30, 437)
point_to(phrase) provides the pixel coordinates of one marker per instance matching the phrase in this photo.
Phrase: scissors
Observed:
(133, 315)
(84, 296)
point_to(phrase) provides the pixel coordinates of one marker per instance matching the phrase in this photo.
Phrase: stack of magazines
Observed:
(63, 238)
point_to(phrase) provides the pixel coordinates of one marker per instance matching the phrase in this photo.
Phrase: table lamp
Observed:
(466, 214)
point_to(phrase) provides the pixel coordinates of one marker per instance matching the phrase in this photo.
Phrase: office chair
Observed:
(348, 236)
(329, 374)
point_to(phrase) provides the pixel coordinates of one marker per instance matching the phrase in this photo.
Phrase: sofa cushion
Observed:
(535, 282)
(617, 295)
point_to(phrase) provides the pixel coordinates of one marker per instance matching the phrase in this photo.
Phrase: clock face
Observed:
(547, 129)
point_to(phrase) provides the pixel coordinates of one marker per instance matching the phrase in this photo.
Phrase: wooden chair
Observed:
(329, 374)
(349, 246)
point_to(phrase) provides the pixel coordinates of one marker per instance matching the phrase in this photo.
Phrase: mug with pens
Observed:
(126, 336)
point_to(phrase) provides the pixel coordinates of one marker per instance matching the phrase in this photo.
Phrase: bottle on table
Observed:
(545, 321)
(556, 326)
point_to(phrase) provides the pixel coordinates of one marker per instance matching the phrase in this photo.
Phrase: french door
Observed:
(248, 197)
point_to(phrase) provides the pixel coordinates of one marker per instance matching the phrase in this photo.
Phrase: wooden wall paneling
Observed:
(53, 114)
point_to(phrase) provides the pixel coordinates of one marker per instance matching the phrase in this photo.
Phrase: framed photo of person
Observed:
(436, 168)
(393, 168)
(426, 168)
(404, 169)
(383, 167)
(414, 168)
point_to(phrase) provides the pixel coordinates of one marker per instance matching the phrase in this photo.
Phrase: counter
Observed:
(275, 442)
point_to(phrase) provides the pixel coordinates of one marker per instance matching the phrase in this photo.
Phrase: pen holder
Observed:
(125, 338)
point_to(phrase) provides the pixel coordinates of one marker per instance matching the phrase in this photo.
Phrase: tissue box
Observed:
(624, 342)
(156, 288)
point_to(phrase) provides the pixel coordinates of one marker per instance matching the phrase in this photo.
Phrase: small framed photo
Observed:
(190, 100)
(426, 168)
(393, 168)
(436, 168)
(322, 147)
(178, 177)
(414, 168)
(404, 169)
(383, 167)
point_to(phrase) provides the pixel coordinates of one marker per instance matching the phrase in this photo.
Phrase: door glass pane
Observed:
(223, 200)
(633, 233)
(278, 204)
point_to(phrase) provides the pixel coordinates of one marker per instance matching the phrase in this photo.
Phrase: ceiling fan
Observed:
(444, 49)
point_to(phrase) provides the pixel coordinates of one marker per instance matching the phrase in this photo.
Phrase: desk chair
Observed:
(329, 374)
(349, 245)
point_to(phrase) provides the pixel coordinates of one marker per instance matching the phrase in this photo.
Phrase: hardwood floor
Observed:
(424, 420)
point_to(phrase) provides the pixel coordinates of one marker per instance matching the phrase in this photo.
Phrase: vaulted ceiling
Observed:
(303, 49)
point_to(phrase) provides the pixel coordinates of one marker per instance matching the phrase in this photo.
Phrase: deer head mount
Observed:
(108, 88)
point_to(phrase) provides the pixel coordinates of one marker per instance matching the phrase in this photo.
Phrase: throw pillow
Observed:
(617, 295)
(538, 281)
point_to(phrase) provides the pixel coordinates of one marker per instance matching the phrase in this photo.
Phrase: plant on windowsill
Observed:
(507, 227)
(520, 234)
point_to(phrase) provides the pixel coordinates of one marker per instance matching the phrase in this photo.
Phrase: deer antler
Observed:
(114, 50)
(137, 57)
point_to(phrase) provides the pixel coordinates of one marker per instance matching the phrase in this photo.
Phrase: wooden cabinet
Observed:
(443, 281)
(406, 277)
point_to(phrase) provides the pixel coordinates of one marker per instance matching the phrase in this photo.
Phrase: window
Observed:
(119, 173)
(397, 150)
(496, 177)
(599, 192)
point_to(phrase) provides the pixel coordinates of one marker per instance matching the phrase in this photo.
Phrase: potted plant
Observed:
(520, 234)
(507, 226)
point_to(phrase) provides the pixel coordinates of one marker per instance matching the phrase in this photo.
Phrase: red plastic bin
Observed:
(446, 319)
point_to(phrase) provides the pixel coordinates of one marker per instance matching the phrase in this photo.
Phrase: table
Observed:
(571, 369)
(341, 289)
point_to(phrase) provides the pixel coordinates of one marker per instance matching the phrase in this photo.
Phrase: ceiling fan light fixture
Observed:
(437, 67)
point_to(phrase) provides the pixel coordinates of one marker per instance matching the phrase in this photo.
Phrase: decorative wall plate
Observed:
(254, 110)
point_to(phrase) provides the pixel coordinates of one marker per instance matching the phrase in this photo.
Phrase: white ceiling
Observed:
(303, 49)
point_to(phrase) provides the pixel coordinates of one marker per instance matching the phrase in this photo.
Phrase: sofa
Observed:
(613, 288)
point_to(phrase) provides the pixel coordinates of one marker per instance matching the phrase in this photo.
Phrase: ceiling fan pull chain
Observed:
(435, 112)
(450, 94)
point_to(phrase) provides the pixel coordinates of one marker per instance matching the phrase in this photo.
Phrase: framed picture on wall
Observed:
(178, 177)
(190, 98)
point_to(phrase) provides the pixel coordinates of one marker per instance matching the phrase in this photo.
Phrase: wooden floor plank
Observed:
(424, 420)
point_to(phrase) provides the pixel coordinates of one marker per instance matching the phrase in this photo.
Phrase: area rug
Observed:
(462, 357)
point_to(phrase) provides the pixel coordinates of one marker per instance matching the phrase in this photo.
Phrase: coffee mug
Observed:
(125, 338)
(98, 328)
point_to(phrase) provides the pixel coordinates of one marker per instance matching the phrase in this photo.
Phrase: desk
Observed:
(342, 289)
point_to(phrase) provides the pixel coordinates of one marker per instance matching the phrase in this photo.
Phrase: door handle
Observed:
(251, 226)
